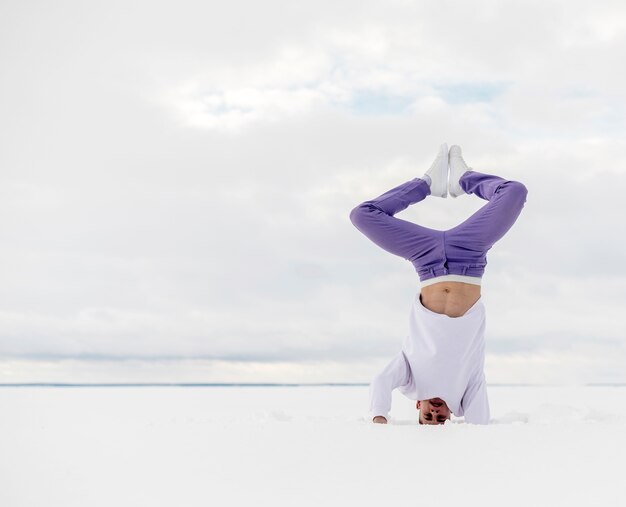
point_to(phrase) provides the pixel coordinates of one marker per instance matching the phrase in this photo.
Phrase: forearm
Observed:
(476, 403)
(380, 397)
(395, 374)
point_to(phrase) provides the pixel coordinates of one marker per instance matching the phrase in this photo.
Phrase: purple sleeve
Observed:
(396, 374)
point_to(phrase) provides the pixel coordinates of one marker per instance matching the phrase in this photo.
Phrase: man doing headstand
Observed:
(441, 363)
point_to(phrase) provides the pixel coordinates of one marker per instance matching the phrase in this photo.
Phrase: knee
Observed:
(517, 190)
(360, 214)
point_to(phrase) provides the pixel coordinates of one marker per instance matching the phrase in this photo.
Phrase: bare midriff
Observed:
(450, 298)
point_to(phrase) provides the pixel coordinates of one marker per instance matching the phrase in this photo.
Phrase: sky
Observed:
(176, 180)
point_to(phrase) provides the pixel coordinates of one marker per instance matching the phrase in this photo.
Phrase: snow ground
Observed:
(232, 446)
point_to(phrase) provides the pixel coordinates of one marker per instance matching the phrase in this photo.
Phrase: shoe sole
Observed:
(452, 194)
(444, 168)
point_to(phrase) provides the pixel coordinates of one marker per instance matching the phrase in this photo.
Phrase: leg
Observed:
(375, 219)
(470, 241)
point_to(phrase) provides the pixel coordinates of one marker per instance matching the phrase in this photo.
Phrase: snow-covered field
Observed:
(305, 446)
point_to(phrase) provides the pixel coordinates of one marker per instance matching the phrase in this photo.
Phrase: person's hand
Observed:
(379, 419)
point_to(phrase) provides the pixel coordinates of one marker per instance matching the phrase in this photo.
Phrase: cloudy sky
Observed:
(176, 179)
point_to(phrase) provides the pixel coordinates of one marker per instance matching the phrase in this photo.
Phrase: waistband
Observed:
(452, 278)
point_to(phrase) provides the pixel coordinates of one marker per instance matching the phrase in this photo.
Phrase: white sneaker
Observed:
(458, 167)
(437, 175)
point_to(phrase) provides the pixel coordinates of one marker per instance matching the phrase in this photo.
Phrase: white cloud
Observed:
(234, 108)
(178, 185)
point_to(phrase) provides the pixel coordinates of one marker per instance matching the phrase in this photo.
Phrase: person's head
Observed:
(433, 411)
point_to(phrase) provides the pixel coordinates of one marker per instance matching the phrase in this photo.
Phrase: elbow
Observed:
(380, 382)
(374, 387)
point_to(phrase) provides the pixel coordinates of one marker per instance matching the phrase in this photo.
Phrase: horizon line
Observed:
(268, 384)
